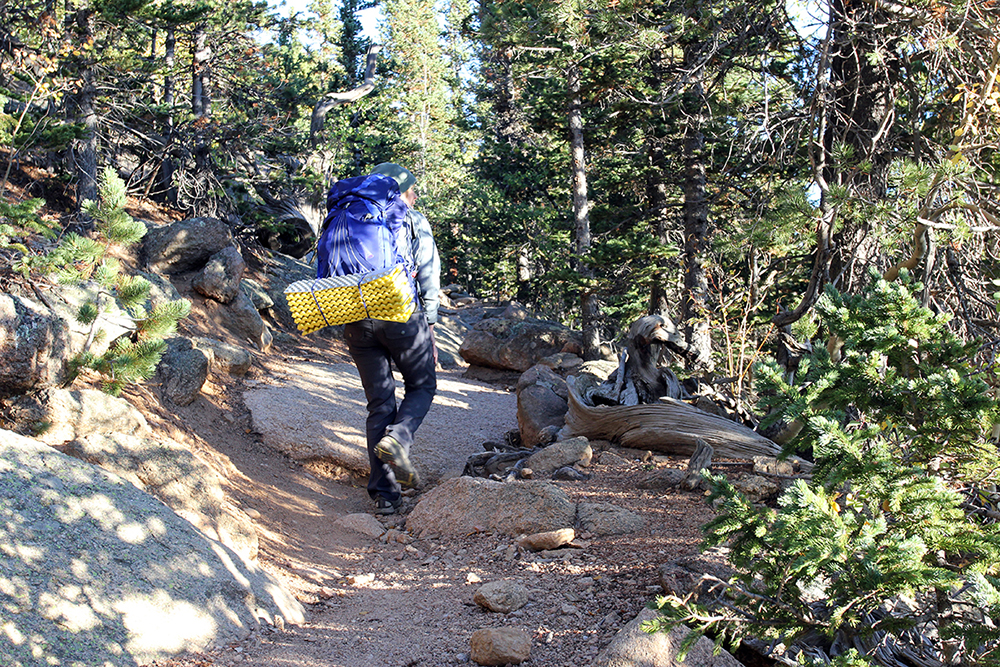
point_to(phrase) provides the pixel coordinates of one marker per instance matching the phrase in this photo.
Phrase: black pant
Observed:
(373, 345)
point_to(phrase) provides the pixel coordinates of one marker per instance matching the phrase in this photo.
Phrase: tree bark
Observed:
(201, 101)
(656, 194)
(694, 303)
(200, 73)
(581, 216)
(84, 151)
(672, 427)
(331, 100)
(167, 190)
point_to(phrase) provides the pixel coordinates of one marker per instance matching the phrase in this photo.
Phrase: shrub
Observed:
(131, 358)
(880, 552)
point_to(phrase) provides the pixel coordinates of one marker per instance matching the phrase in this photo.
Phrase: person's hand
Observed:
(434, 348)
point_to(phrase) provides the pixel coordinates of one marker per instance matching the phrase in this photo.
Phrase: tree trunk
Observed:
(639, 378)
(331, 100)
(84, 151)
(167, 190)
(671, 427)
(200, 72)
(581, 217)
(523, 293)
(656, 194)
(201, 102)
(694, 303)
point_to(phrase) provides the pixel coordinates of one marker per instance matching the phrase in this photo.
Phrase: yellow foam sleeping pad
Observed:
(382, 295)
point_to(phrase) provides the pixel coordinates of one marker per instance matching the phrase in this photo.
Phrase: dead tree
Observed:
(669, 426)
(331, 100)
(639, 379)
(295, 225)
(296, 218)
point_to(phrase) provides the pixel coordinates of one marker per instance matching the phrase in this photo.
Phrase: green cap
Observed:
(402, 176)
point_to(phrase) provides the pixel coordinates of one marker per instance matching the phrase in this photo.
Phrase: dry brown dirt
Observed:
(404, 601)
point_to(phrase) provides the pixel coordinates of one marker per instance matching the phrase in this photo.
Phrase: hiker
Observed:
(374, 344)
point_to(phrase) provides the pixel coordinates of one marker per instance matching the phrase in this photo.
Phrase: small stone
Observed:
(564, 453)
(500, 646)
(501, 596)
(365, 524)
(570, 474)
(472, 578)
(552, 539)
(771, 465)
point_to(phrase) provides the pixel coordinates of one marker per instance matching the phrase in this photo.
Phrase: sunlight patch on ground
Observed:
(146, 619)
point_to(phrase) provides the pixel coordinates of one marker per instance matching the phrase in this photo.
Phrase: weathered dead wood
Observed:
(331, 100)
(700, 460)
(638, 378)
(292, 233)
(670, 426)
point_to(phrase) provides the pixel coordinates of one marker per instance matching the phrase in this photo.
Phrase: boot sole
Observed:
(405, 473)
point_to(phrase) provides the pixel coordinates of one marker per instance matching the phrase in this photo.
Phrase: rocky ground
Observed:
(394, 600)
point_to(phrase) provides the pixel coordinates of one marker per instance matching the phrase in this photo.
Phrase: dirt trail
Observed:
(387, 603)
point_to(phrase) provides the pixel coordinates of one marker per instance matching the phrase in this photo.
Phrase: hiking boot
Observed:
(385, 507)
(393, 454)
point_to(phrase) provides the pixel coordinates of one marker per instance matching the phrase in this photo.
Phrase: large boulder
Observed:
(169, 471)
(280, 272)
(96, 572)
(243, 319)
(231, 359)
(182, 370)
(34, 346)
(466, 504)
(185, 245)
(541, 402)
(320, 414)
(220, 278)
(112, 323)
(516, 344)
(633, 646)
(161, 289)
(571, 452)
(448, 336)
(56, 416)
(259, 296)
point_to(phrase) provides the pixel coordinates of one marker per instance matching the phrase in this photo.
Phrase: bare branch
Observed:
(331, 100)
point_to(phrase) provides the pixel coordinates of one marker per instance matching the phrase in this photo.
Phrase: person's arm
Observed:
(428, 265)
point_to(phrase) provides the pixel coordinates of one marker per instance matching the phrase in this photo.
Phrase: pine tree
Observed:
(132, 358)
(882, 550)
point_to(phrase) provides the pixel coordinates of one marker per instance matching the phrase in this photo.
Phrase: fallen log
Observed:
(670, 427)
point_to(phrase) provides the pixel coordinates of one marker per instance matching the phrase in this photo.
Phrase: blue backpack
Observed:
(365, 228)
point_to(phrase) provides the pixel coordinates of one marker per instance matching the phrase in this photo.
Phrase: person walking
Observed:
(375, 345)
